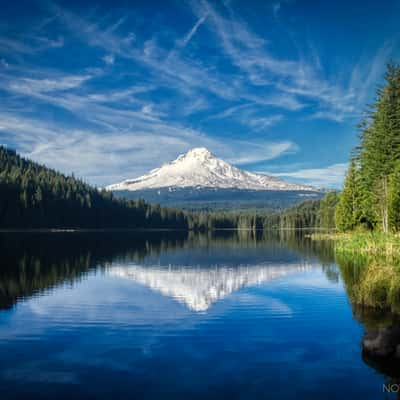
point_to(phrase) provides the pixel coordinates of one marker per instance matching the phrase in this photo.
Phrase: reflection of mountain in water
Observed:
(199, 288)
(35, 262)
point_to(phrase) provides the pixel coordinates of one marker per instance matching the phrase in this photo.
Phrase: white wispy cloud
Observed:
(368, 71)
(48, 43)
(4, 63)
(112, 107)
(328, 177)
(328, 115)
(250, 152)
(260, 123)
(249, 114)
(116, 95)
(194, 106)
(276, 8)
(8, 45)
(186, 39)
(228, 112)
(28, 45)
(31, 86)
(109, 59)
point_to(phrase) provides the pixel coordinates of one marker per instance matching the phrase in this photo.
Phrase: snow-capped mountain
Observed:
(199, 168)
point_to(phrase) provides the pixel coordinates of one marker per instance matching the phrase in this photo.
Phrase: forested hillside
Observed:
(33, 196)
(309, 214)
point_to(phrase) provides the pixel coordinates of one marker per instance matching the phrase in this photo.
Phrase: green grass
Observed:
(379, 287)
(374, 244)
(370, 266)
(366, 243)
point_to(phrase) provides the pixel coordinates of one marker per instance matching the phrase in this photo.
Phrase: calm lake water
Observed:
(171, 315)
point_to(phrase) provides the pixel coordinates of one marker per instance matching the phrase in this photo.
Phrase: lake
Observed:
(159, 315)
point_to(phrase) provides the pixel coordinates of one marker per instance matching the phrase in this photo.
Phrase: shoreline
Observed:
(368, 243)
(94, 230)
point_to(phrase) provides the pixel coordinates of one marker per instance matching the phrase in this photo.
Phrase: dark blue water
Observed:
(89, 316)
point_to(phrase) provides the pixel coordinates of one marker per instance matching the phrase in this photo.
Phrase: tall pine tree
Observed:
(394, 199)
(348, 214)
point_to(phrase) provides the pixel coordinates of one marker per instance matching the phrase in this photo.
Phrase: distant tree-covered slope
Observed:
(221, 199)
(309, 214)
(33, 196)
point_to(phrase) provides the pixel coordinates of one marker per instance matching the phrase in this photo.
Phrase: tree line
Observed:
(371, 192)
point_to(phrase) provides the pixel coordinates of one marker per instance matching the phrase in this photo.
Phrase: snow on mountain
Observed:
(201, 169)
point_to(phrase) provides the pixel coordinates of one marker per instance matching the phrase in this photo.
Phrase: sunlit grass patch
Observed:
(378, 286)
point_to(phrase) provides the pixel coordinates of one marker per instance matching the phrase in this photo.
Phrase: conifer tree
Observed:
(347, 214)
(326, 214)
(394, 200)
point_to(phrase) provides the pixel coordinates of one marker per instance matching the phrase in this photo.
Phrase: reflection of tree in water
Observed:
(39, 261)
(322, 250)
(381, 341)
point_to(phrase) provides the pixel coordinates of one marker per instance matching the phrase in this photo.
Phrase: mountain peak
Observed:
(199, 151)
(199, 168)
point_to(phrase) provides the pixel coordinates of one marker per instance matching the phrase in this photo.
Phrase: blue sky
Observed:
(109, 90)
